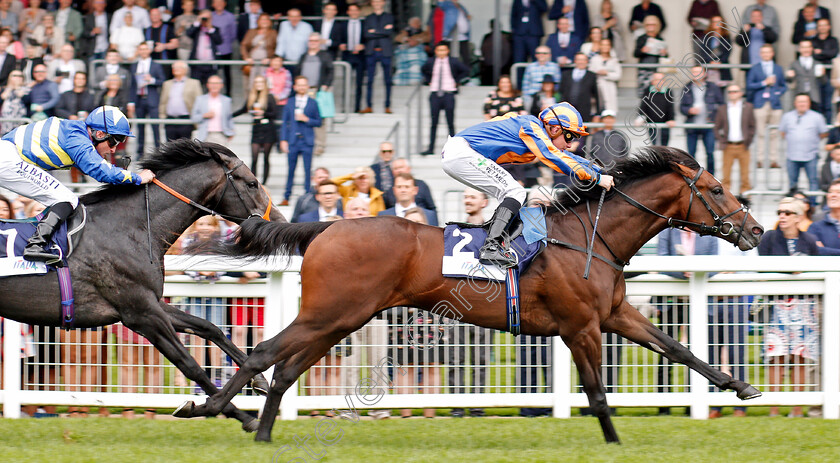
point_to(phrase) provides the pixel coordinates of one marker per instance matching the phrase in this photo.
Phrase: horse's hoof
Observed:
(259, 384)
(185, 410)
(251, 426)
(262, 438)
(749, 392)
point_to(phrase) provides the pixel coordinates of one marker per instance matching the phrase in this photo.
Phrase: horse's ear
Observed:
(685, 171)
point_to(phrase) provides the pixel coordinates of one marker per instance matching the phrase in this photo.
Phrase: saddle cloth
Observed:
(15, 233)
(461, 247)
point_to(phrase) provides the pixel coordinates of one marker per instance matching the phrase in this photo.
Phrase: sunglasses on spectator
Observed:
(386, 151)
(542, 53)
(733, 91)
(781, 212)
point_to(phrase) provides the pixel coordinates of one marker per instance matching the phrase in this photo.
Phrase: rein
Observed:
(229, 181)
(720, 224)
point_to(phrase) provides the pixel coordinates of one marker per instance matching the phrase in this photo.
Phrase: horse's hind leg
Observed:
(586, 350)
(186, 323)
(626, 321)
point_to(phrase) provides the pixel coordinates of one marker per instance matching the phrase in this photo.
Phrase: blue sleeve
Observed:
(313, 113)
(91, 163)
(288, 112)
(54, 96)
(157, 74)
(686, 100)
(535, 138)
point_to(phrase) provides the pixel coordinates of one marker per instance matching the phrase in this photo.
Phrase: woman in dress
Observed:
(791, 339)
(612, 28)
(606, 66)
(12, 97)
(503, 100)
(258, 46)
(261, 105)
(649, 48)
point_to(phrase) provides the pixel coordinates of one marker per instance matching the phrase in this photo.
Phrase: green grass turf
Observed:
(646, 439)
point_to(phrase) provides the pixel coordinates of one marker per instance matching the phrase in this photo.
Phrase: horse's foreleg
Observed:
(272, 402)
(156, 328)
(586, 350)
(186, 323)
(626, 321)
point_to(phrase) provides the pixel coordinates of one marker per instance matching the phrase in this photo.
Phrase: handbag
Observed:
(326, 103)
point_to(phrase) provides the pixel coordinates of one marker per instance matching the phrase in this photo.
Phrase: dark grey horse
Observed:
(113, 278)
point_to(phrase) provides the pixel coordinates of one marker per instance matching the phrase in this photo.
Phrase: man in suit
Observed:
(527, 28)
(69, 20)
(213, 114)
(806, 74)
(144, 95)
(563, 43)
(607, 145)
(307, 201)
(442, 73)
(382, 167)
(379, 48)
(734, 130)
(579, 87)
(113, 62)
(353, 50)
(699, 103)
(94, 42)
(297, 137)
(204, 49)
(765, 87)
(423, 198)
(405, 190)
(328, 210)
(177, 98)
(7, 61)
(578, 14)
(332, 31)
(247, 20)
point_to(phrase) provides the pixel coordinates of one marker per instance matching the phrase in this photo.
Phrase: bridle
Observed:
(228, 182)
(721, 226)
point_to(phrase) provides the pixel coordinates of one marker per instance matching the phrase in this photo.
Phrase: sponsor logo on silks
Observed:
(482, 162)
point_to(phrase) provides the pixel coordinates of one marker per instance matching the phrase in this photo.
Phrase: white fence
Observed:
(633, 376)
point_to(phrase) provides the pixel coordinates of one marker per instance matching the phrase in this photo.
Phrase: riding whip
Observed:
(149, 225)
(594, 231)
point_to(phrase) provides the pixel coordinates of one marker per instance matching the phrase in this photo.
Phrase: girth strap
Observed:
(618, 264)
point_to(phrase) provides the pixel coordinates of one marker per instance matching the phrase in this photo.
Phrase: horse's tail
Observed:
(259, 238)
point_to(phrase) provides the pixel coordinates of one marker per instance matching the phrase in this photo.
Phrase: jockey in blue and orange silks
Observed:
(473, 156)
(29, 151)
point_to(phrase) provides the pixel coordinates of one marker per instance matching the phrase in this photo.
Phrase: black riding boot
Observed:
(35, 250)
(493, 251)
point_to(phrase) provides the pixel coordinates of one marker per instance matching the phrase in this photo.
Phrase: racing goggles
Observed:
(569, 136)
(114, 139)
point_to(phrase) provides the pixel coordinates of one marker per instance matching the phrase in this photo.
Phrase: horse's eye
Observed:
(717, 191)
(253, 185)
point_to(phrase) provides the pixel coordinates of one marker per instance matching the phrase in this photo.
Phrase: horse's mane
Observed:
(171, 155)
(646, 163)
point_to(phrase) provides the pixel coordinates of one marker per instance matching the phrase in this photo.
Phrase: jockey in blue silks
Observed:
(473, 156)
(29, 151)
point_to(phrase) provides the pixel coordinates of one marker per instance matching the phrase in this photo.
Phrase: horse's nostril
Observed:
(758, 230)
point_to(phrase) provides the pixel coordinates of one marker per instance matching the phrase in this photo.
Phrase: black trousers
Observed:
(357, 62)
(226, 71)
(445, 102)
(174, 132)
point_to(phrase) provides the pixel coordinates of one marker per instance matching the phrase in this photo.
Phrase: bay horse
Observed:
(117, 277)
(348, 276)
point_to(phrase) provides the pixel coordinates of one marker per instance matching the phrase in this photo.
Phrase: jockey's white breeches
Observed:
(469, 167)
(30, 180)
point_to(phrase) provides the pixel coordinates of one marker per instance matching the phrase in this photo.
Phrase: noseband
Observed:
(725, 228)
(228, 182)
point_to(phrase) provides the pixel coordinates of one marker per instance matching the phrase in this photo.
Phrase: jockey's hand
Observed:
(146, 176)
(606, 181)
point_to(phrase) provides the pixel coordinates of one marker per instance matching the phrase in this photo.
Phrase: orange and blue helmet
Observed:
(564, 115)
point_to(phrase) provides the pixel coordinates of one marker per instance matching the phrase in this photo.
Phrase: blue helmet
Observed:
(110, 120)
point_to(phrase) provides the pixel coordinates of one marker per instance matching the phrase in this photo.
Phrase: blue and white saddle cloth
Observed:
(14, 235)
(461, 247)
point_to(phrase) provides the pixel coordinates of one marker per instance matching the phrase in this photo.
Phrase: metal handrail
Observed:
(345, 66)
(514, 69)
(394, 134)
(417, 92)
